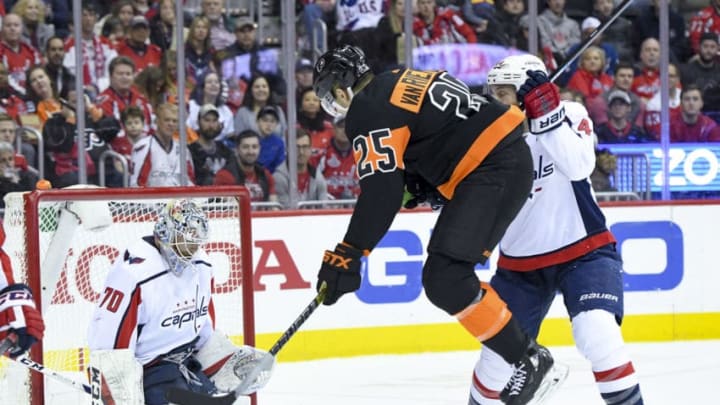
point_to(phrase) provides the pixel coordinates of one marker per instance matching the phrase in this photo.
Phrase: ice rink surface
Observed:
(677, 373)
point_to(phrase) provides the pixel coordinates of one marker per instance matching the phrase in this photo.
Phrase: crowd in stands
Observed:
(236, 95)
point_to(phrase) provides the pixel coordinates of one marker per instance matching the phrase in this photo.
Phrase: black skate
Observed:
(535, 378)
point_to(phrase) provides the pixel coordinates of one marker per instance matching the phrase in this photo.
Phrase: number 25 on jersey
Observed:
(380, 151)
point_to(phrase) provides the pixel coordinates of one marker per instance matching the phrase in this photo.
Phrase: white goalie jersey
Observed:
(146, 308)
(561, 199)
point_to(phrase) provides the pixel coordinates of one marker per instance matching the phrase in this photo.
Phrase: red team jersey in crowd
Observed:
(225, 177)
(18, 62)
(704, 130)
(448, 27)
(150, 55)
(706, 20)
(338, 168)
(113, 104)
(646, 83)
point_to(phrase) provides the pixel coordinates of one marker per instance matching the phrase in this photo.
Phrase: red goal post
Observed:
(63, 242)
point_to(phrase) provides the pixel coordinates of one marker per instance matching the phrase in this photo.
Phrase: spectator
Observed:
(622, 80)
(588, 26)
(441, 25)
(59, 17)
(219, 25)
(168, 65)
(199, 51)
(619, 129)
(248, 172)
(121, 92)
(558, 33)
(705, 20)
(262, 60)
(16, 54)
(8, 133)
(647, 25)
(11, 102)
(337, 165)
(590, 79)
(304, 73)
(313, 120)
(390, 34)
(647, 81)
(651, 122)
(255, 99)
(41, 95)
(605, 169)
(156, 159)
(62, 78)
(144, 8)
(478, 13)
(116, 24)
(207, 91)
(272, 145)
(317, 10)
(133, 123)
(691, 125)
(162, 26)
(97, 53)
(209, 155)
(703, 69)
(152, 85)
(505, 28)
(13, 178)
(311, 185)
(135, 45)
(571, 95)
(617, 32)
(356, 23)
(35, 31)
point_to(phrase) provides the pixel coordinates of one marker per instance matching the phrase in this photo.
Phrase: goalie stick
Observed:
(7, 343)
(589, 40)
(182, 397)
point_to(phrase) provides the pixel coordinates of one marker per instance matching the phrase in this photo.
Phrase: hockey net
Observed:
(63, 242)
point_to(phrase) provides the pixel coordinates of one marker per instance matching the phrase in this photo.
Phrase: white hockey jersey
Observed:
(561, 220)
(147, 308)
(153, 166)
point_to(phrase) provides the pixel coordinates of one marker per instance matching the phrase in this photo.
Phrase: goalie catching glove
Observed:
(228, 366)
(340, 270)
(18, 316)
(541, 100)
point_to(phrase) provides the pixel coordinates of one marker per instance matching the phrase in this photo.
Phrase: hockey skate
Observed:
(535, 378)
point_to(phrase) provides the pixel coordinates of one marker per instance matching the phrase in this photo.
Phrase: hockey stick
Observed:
(181, 397)
(585, 44)
(34, 366)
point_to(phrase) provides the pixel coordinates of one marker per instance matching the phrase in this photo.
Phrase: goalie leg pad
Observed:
(116, 375)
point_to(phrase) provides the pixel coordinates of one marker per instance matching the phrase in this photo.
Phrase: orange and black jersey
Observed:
(427, 123)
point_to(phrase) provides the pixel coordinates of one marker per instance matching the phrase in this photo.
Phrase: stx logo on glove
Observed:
(551, 120)
(337, 260)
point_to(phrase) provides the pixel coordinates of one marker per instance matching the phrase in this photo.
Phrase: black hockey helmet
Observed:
(342, 68)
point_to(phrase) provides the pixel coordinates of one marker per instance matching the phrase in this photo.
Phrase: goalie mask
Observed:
(181, 230)
(513, 70)
(341, 68)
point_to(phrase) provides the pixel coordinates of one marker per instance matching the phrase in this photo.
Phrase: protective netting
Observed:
(76, 251)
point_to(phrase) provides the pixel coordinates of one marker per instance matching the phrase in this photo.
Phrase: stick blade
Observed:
(181, 396)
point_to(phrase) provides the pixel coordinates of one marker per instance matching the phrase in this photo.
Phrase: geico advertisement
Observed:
(667, 251)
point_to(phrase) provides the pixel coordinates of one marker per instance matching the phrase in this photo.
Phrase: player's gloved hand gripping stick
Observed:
(257, 373)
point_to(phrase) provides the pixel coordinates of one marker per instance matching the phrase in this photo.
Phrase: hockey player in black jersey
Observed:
(425, 132)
